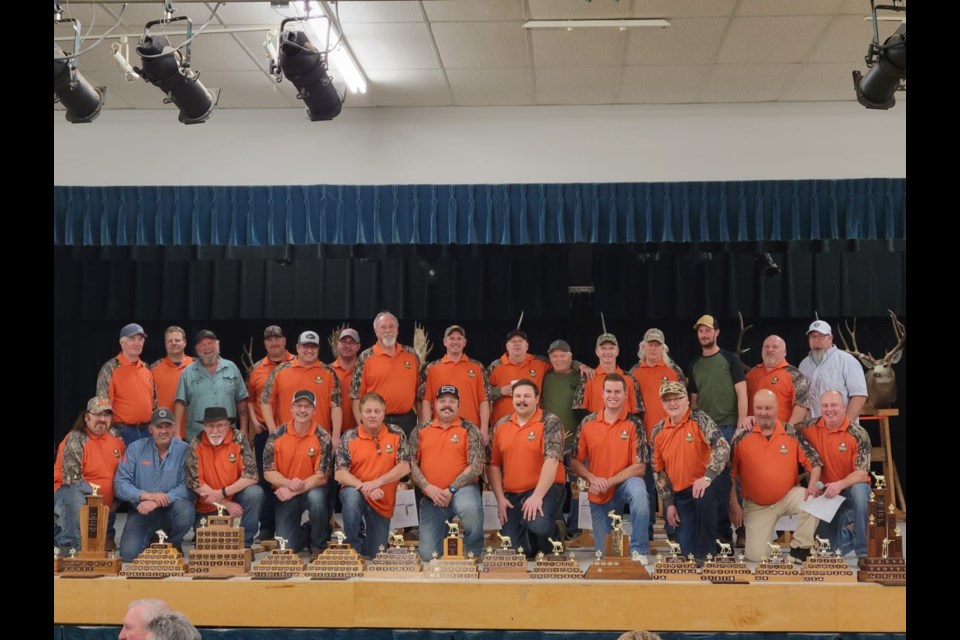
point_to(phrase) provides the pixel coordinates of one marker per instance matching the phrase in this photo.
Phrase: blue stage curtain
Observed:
(515, 214)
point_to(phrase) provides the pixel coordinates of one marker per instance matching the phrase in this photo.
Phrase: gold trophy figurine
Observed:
(162, 535)
(95, 488)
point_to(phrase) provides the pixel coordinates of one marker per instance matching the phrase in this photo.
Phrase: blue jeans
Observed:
(697, 533)
(288, 516)
(175, 520)
(468, 506)
(251, 499)
(542, 527)
(269, 506)
(852, 511)
(357, 511)
(722, 482)
(131, 433)
(633, 492)
(66, 506)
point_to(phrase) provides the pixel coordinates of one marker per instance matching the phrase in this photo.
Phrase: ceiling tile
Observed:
(220, 52)
(846, 39)
(392, 46)
(471, 45)
(395, 11)
(771, 40)
(788, 7)
(250, 90)
(576, 86)
(662, 84)
(821, 82)
(577, 48)
(748, 82)
(408, 88)
(473, 10)
(577, 9)
(686, 41)
(490, 87)
(683, 8)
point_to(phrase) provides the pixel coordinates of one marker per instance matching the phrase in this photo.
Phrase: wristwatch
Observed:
(452, 489)
(224, 492)
(708, 479)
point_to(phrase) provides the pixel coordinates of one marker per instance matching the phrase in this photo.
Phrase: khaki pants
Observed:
(760, 521)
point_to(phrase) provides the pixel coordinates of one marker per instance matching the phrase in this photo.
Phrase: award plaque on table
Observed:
(92, 560)
(617, 563)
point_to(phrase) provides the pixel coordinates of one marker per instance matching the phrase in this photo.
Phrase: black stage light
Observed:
(768, 267)
(162, 68)
(888, 68)
(306, 68)
(80, 98)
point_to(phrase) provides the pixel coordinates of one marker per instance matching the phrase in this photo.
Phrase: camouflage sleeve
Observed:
(552, 437)
(494, 386)
(641, 455)
(719, 447)
(357, 381)
(808, 449)
(682, 378)
(335, 390)
(104, 377)
(268, 451)
(579, 393)
(493, 436)
(343, 460)
(271, 380)
(580, 452)
(422, 388)
(641, 408)
(156, 363)
(486, 381)
(249, 458)
(325, 459)
(862, 460)
(191, 468)
(474, 466)
(403, 451)
(801, 387)
(73, 457)
(664, 487)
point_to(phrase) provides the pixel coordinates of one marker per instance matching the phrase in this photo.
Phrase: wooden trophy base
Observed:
(337, 562)
(886, 571)
(57, 565)
(90, 567)
(782, 570)
(616, 568)
(280, 564)
(726, 570)
(675, 568)
(827, 569)
(504, 564)
(396, 562)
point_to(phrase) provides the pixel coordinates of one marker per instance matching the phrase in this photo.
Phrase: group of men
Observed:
(184, 437)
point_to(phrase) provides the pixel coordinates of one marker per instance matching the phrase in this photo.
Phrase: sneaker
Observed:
(799, 553)
(672, 536)
(643, 559)
(412, 533)
(741, 538)
(264, 534)
(561, 530)
(111, 545)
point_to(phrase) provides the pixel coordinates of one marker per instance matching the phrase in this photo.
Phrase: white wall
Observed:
(485, 145)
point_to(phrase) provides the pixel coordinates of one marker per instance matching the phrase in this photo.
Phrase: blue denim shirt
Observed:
(141, 469)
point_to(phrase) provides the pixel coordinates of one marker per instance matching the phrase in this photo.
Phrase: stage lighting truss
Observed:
(81, 100)
(878, 55)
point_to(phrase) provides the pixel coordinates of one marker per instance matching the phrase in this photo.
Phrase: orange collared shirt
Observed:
(396, 378)
(166, 376)
(467, 375)
(369, 457)
(91, 458)
(502, 372)
(298, 456)
(648, 379)
(607, 448)
(782, 381)
(131, 391)
(290, 377)
(219, 467)
(589, 394)
(520, 451)
(767, 468)
(258, 378)
(344, 376)
(442, 453)
(682, 451)
(842, 450)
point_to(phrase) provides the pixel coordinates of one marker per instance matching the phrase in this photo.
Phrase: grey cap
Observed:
(131, 330)
(161, 415)
(558, 344)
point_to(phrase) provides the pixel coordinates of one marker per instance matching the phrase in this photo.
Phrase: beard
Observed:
(388, 341)
(209, 360)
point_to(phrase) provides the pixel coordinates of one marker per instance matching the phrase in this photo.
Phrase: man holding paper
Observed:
(766, 458)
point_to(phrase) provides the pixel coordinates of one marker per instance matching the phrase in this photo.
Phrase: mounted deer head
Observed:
(881, 378)
(334, 339)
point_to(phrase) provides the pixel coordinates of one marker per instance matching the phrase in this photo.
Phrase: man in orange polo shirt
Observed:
(844, 449)
(589, 395)
(446, 460)
(689, 453)
(370, 462)
(612, 455)
(166, 371)
(653, 369)
(515, 364)
(765, 459)
(303, 372)
(344, 365)
(297, 462)
(392, 370)
(783, 379)
(526, 472)
(89, 454)
(275, 344)
(128, 383)
(221, 468)
(466, 374)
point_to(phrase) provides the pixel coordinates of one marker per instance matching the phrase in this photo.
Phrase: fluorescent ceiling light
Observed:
(340, 56)
(596, 24)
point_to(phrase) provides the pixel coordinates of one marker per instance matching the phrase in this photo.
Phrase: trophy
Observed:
(92, 560)
(504, 562)
(884, 563)
(615, 562)
(159, 560)
(339, 561)
(453, 565)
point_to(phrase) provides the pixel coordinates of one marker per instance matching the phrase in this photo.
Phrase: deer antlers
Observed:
(246, 359)
(334, 338)
(743, 330)
(892, 356)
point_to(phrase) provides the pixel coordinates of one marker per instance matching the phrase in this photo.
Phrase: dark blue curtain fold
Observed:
(505, 214)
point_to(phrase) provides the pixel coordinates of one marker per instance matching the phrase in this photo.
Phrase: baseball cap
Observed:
(517, 332)
(654, 335)
(672, 387)
(607, 337)
(452, 328)
(448, 390)
(271, 331)
(131, 330)
(821, 327)
(559, 344)
(350, 333)
(309, 337)
(161, 415)
(203, 334)
(305, 394)
(99, 405)
(708, 320)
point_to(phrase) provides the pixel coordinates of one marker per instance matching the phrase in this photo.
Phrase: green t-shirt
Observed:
(558, 390)
(712, 379)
